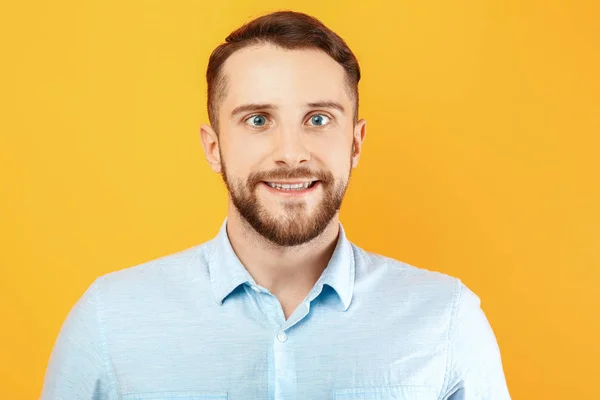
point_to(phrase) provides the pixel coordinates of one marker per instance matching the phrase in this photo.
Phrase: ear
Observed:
(210, 144)
(360, 131)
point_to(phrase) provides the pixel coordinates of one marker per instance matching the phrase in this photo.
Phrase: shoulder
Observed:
(408, 286)
(159, 277)
(400, 274)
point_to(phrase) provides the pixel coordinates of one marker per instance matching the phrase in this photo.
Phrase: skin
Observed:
(290, 141)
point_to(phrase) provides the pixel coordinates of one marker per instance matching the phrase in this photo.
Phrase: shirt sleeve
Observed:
(77, 369)
(475, 367)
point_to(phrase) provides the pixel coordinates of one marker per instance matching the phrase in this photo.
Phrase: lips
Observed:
(295, 186)
(291, 189)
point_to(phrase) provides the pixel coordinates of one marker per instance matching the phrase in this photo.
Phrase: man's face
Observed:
(286, 140)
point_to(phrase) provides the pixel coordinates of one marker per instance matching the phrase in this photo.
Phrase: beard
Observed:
(297, 226)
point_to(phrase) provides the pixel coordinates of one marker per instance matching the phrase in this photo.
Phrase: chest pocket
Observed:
(177, 396)
(402, 392)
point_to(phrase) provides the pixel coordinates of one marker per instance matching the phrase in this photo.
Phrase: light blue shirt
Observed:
(195, 325)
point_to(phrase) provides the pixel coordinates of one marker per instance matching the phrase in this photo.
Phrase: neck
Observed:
(286, 271)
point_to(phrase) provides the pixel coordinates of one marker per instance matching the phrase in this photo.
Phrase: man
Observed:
(280, 305)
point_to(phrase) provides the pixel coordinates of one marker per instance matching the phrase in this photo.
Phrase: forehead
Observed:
(270, 74)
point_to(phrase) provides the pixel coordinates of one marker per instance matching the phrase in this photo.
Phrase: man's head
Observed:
(283, 107)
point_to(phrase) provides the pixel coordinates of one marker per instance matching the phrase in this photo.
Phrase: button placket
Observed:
(284, 367)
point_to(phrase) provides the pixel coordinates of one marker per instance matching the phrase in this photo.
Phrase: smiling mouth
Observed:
(296, 186)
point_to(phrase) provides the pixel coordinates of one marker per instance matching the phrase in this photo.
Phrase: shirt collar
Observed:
(227, 272)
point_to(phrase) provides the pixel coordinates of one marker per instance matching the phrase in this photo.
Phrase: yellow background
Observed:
(481, 160)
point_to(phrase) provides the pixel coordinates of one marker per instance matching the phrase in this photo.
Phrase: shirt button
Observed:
(281, 336)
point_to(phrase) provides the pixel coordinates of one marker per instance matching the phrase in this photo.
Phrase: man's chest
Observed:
(391, 359)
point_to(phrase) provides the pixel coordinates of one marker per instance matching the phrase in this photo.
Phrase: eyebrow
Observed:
(259, 107)
(328, 104)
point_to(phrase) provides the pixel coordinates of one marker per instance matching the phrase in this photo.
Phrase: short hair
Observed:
(289, 30)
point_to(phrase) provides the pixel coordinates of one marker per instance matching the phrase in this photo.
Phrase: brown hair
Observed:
(287, 29)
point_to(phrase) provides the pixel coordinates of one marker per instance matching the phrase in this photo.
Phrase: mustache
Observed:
(285, 173)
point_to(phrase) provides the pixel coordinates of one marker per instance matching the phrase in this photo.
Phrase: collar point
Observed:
(219, 302)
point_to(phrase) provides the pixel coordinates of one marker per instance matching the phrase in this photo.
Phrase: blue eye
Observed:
(257, 121)
(319, 119)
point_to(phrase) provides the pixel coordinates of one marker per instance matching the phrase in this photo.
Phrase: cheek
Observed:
(241, 154)
(336, 155)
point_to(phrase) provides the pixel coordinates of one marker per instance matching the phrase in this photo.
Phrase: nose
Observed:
(289, 148)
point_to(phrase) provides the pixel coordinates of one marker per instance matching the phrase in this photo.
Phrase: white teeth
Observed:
(285, 186)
